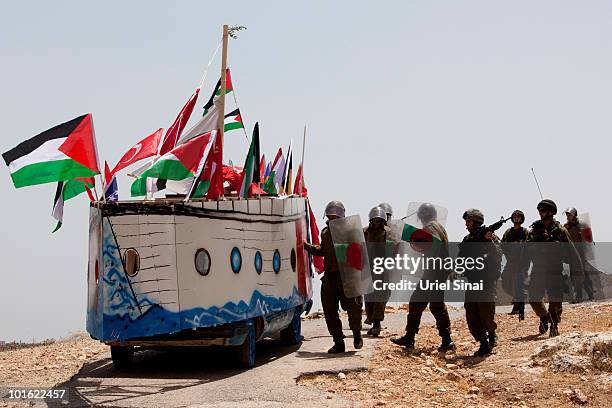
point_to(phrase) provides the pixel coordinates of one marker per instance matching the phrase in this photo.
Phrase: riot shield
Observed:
(352, 255)
(587, 234)
(419, 213)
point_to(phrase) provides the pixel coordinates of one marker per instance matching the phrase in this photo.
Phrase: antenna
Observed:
(537, 184)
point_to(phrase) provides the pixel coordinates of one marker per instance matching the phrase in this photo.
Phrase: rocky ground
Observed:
(46, 365)
(525, 370)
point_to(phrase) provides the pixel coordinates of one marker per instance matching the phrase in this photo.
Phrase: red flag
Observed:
(213, 171)
(231, 174)
(147, 147)
(108, 175)
(262, 167)
(300, 188)
(81, 145)
(314, 233)
(175, 130)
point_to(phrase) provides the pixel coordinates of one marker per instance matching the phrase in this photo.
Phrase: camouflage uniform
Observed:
(435, 298)
(574, 229)
(480, 305)
(515, 272)
(375, 303)
(547, 248)
(332, 291)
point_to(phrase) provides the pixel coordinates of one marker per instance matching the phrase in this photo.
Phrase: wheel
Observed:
(246, 352)
(292, 334)
(123, 356)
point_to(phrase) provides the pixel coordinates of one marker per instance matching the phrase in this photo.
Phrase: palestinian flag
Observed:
(288, 171)
(64, 152)
(274, 182)
(180, 163)
(65, 191)
(217, 92)
(250, 174)
(350, 255)
(420, 240)
(233, 120)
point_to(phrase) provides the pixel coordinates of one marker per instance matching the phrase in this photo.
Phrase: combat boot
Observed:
(407, 340)
(357, 339)
(492, 339)
(375, 330)
(338, 347)
(515, 309)
(554, 329)
(544, 324)
(484, 349)
(447, 343)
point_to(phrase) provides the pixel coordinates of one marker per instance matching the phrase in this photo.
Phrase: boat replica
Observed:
(198, 272)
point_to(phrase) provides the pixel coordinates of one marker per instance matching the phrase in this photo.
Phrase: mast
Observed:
(223, 88)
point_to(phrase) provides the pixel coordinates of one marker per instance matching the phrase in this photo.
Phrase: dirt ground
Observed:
(45, 366)
(526, 369)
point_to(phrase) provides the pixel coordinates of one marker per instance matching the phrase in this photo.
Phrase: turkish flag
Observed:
(147, 147)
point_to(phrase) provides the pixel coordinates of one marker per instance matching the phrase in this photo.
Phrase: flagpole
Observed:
(302, 173)
(223, 88)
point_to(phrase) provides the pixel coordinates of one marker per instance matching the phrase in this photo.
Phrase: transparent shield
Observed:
(419, 213)
(587, 234)
(352, 255)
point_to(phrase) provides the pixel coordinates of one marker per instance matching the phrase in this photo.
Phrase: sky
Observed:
(451, 102)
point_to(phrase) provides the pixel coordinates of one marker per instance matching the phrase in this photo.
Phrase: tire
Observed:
(122, 356)
(245, 354)
(292, 334)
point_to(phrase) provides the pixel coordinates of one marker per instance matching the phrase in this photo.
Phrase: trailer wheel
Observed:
(292, 334)
(246, 351)
(122, 356)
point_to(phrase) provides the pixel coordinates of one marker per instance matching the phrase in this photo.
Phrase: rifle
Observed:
(483, 229)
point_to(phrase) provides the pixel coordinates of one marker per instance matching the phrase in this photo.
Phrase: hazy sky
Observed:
(450, 101)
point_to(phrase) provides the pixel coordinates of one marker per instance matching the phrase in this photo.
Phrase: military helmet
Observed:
(519, 212)
(572, 210)
(335, 208)
(547, 204)
(427, 212)
(377, 212)
(475, 215)
(387, 208)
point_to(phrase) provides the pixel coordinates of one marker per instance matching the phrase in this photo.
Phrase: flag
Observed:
(250, 174)
(217, 92)
(205, 124)
(180, 163)
(233, 120)
(210, 182)
(288, 171)
(300, 188)
(262, 167)
(147, 147)
(314, 234)
(111, 192)
(64, 152)
(420, 240)
(273, 183)
(65, 191)
(176, 129)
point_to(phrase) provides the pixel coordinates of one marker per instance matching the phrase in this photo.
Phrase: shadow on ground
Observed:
(98, 382)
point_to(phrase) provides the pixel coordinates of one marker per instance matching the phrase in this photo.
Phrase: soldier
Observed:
(427, 214)
(480, 304)
(332, 291)
(548, 246)
(376, 237)
(574, 229)
(513, 276)
(388, 209)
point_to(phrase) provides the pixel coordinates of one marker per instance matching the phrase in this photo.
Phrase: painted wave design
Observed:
(158, 320)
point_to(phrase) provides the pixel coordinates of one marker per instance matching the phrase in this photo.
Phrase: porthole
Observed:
(276, 261)
(293, 259)
(202, 261)
(131, 261)
(258, 262)
(236, 260)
